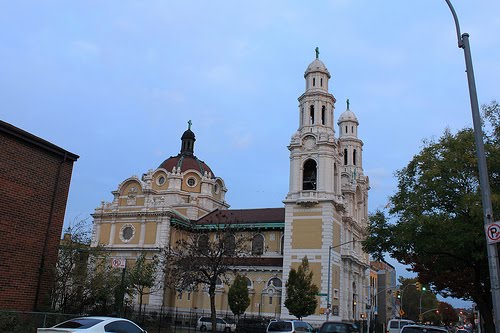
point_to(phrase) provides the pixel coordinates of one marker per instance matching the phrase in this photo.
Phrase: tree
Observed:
(435, 221)
(415, 302)
(84, 280)
(143, 277)
(301, 292)
(447, 314)
(238, 296)
(206, 257)
(71, 269)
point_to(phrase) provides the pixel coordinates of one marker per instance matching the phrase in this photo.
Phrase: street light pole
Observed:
(328, 305)
(463, 42)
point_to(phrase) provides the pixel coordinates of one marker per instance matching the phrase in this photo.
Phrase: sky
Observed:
(116, 82)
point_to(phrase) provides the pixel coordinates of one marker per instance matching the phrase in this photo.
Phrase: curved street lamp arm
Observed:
(457, 25)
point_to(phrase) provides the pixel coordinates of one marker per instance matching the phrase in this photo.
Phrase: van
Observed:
(395, 325)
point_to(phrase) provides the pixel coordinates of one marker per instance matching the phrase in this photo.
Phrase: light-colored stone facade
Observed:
(324, 215)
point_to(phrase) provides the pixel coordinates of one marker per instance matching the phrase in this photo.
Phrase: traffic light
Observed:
(418, 285)
(398, 294)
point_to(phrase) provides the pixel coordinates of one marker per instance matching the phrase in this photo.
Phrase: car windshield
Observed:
(280, 326)
(80, 323)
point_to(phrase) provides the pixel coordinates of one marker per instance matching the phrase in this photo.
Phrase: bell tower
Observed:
(315, 206)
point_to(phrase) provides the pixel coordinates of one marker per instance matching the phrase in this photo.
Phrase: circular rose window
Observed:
(127, 232)
(191, 182)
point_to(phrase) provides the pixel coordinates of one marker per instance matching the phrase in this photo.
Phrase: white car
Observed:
(205, 324)
(94, 325)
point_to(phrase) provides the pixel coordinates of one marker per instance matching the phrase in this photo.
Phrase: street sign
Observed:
(401, 313)
(118, 262)
(492, 232)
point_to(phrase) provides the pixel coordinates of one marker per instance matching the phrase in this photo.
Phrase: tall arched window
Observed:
(229, 244)
(309, 176)
(249, 283)
(203, 243)
(345, 156)
(323, 115)
(258, 244)
(311, 114)
(354, 157)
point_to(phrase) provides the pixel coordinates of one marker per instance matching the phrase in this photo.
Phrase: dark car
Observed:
(252, 325)
(338, 327)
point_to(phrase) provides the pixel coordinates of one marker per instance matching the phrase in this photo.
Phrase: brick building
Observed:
(34, 183)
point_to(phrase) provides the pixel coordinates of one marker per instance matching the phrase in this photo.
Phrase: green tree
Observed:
(70, 275)
(238, 296)
(435, 220)
(142, 276)
(84, 280)
(207, 257)
(415, 302)
(301, 292)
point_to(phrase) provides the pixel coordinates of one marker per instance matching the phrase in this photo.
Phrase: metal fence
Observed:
(163, 321)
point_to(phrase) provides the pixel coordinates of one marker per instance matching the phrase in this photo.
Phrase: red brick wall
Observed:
(34, 184)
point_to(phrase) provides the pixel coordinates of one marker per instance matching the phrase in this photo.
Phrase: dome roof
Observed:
(185, 163)
(188, 134)
(186, 160)
(317, 66)
(348, 115)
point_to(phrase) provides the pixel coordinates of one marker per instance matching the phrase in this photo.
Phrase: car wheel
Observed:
(203, 328)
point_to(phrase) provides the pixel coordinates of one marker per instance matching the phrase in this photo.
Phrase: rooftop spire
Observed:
(347, 104)
(317, 52)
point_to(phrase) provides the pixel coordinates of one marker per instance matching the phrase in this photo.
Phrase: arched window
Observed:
(309, 176)
(311, 114)
(345, 156)
(321, 81)
(203, 245)
(249, 283)
(314, 81)
(354, 157)
(323, 114)
(258, 244)
(276, 282)
(229, 244)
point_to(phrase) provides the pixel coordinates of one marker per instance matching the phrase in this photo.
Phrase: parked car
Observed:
(223, 325)
(395, 325)
(413, 328)
(94, 325)
(289, 326)
(252, 325)
(338, 327)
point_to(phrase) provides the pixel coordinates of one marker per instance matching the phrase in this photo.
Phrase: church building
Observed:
(324, 215)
